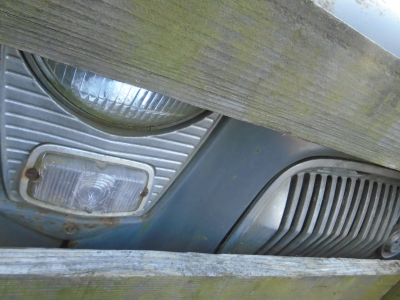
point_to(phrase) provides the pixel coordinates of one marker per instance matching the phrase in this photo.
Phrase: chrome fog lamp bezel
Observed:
(56, 149)
(51, 85)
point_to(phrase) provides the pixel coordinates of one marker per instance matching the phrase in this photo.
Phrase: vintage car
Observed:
(89, 162)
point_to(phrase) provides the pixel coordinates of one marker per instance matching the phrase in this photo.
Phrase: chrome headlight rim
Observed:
(55, 90)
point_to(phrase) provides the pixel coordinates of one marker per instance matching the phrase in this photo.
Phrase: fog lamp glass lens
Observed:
(115, 102)
(86, 185)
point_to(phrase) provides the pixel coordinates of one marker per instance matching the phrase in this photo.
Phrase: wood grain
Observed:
(94, 274)
(287, 65)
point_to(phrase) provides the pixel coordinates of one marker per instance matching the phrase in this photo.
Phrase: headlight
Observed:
(112, 102)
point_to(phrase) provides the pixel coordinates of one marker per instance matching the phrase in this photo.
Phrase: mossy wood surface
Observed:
(92, 274)
(283, 64)
(394, 293)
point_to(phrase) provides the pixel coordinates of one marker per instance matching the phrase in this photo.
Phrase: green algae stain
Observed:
(173, 33)
(297, 90)
(237, 51)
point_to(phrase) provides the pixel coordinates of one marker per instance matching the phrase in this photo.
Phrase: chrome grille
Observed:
(337, 209)
(334, 216)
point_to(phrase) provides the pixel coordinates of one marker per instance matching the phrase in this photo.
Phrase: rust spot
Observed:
(70, 228)
(145, 192)
(40, 227)
(91, 226)
(32, 174)
(21, 216)
(110, 222)
(39, 219)
(52, 223)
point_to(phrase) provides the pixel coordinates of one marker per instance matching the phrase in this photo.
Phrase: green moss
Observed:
(176, 35)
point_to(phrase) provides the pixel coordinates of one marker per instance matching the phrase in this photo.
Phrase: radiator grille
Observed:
(334, 216)
(332, 212)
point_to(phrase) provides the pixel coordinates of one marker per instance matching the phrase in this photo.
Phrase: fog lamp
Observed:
(112, 102)
(84, 183)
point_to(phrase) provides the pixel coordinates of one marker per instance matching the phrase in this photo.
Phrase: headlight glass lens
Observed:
(114, 102)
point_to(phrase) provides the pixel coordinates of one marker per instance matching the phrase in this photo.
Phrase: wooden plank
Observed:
(92, 274)
(394, 293)
(287, 65)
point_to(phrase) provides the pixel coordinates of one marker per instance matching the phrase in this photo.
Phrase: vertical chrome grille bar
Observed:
(311, 219)
(316, 237)
(299, 217)
(290, 210)
(373, 210)
(393, 219)
(337, 202)
(378, 221)
(355, 229)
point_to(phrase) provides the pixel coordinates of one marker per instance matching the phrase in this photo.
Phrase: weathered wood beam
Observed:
(283, 64)
(93, 274)
(393, 294)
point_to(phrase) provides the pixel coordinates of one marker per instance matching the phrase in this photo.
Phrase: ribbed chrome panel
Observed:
(333, 209)
(30, 117)
(351, 229)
